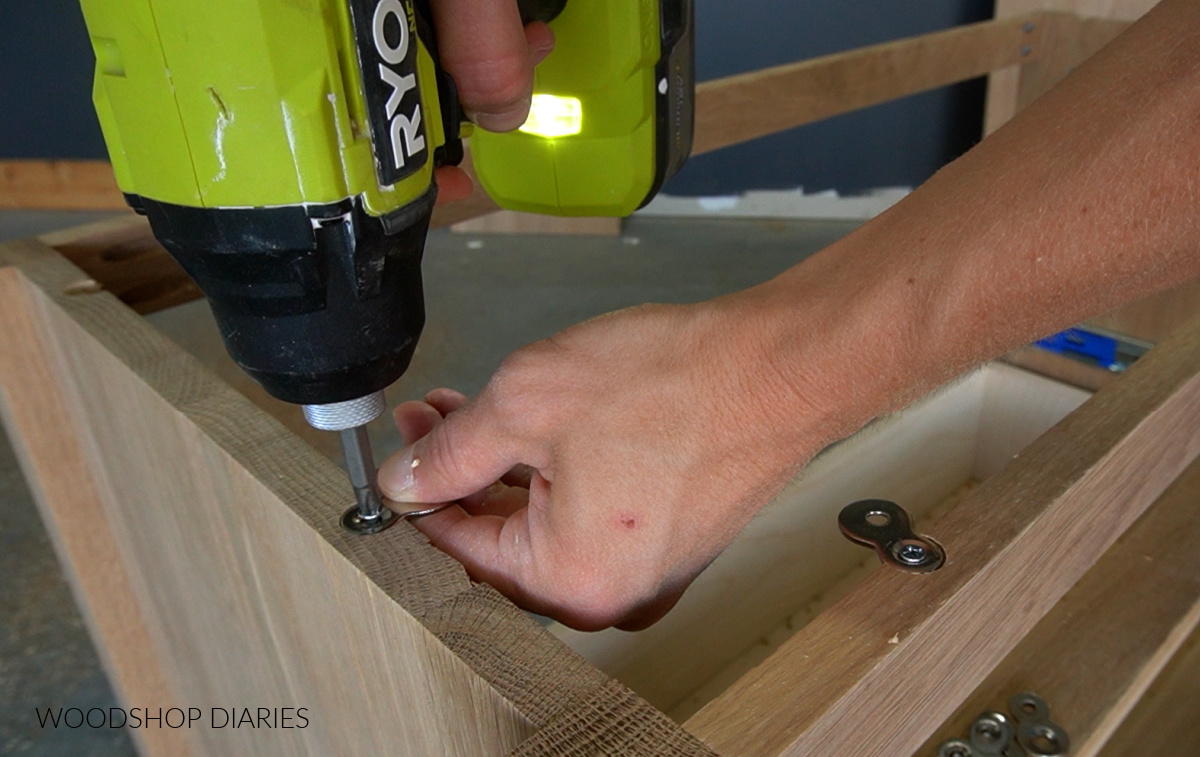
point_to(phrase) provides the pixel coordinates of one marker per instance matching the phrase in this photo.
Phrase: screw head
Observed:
(353, 521)
(986, 730)
(913, 554)
(955, 748)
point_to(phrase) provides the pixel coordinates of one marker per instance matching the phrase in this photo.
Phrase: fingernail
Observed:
(503, 121)
(396, 478)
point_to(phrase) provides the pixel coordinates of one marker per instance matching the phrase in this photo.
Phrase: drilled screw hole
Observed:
(878, 518)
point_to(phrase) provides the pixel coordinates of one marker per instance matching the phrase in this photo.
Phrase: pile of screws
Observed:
(994, 734)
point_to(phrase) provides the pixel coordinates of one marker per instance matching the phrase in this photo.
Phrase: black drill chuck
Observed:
(318, 303)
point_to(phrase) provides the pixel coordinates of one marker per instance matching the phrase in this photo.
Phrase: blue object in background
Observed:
(1080, 343)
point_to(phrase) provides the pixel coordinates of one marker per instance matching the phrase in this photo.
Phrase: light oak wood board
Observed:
(833, 687)
(1095, 654)
(59, 184)
(57, 469)
(202, 544)
(1164, 722)
(728, 111)
(743, 107)
(126, 259)
(191, 509)
(791, 559)
(1100, 19)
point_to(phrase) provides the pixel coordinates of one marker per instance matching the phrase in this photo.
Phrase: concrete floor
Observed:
(487, 295)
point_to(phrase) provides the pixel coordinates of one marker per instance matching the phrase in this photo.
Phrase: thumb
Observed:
(465, 453)
(486, 50)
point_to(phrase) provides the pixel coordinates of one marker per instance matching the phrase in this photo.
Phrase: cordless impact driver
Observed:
(283, 152)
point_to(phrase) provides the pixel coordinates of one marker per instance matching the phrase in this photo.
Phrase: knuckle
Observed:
(523, 390)
(519, 374)
(517, 365)
(503, 400)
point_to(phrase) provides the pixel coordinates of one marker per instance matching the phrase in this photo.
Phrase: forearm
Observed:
(1082, 203)
(655, 433)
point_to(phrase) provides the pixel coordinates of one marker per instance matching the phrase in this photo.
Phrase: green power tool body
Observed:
(284, 153)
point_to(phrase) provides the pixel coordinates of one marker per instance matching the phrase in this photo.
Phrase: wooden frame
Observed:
(1096, 22)
(788, 565)
(798, 93)
(201, 542)
(1027, 51)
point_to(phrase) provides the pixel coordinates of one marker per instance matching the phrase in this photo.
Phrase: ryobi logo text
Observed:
(386, 34)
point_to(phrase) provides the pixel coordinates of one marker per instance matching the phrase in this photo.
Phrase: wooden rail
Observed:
(728, 111)
(203, 544)
(201, 539)
(125, 259)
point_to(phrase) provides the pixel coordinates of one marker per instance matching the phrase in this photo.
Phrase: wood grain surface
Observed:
(175, 501)
(1005, 96)
(122, 255)
(1095, 654)
(728, 111)
(59, 185)
(743, 107)
(833, 688)
(124, 258)
(56, 467)
(1164, 722)
(790, 562)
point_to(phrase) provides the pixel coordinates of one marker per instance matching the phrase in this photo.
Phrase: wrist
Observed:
(840, 339)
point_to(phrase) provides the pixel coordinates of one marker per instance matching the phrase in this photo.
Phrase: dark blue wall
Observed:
(46, 82)
(895, 144)
(46, 65)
